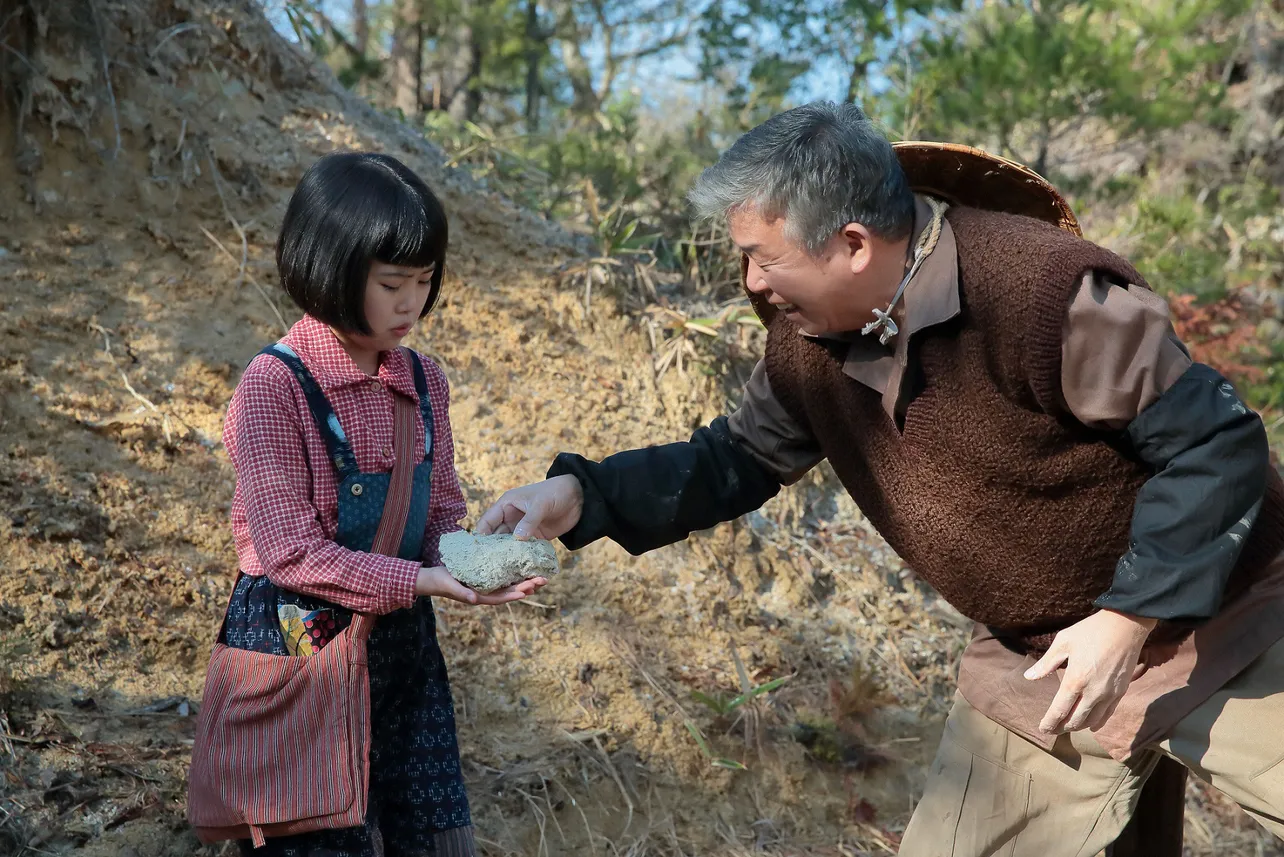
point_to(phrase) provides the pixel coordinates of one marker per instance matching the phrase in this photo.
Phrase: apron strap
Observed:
(425, 401)
(336, 441)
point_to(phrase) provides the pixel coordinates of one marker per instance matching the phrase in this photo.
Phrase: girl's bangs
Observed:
(409, 235)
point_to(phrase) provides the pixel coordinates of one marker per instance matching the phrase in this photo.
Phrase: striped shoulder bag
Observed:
(283, 743)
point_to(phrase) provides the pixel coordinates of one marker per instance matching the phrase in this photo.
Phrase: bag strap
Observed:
(396, 505)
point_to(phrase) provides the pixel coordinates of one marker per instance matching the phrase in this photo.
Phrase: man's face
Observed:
(827, 293)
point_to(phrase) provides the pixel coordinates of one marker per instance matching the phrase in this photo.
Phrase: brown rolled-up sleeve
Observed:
(1119, 352)
(767, 432)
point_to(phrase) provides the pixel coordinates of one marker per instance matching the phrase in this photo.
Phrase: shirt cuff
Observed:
(595, 516)
(397, 584)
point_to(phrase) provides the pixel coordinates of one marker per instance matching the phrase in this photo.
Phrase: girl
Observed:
(309, 430)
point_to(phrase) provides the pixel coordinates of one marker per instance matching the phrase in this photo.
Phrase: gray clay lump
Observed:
(487, 563)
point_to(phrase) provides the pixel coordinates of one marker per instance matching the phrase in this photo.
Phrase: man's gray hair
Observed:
(820, 167)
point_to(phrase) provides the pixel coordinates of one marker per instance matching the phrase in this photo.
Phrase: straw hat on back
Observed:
(962, 175)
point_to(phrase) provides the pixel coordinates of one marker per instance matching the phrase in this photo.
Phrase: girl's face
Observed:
(395, 296)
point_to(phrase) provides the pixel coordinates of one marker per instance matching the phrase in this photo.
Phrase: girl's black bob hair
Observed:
(350, 210)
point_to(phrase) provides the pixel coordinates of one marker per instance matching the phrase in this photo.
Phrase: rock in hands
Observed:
(488, 563)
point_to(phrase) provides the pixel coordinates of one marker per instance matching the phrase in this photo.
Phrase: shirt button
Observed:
(387, 453)
(376, 386)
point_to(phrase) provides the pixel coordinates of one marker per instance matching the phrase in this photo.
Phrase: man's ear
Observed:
(858, 244)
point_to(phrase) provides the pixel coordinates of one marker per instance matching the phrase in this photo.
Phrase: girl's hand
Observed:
(437, 582)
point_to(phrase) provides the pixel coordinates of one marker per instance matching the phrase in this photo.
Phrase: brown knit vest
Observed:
(1011, 509)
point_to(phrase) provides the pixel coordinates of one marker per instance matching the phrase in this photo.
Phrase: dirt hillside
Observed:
(136, 230)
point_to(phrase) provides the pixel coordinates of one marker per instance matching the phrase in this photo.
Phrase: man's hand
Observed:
(1101, 655)
(544, 510)
(437, 582)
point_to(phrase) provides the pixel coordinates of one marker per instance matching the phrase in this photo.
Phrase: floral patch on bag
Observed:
(306, 632)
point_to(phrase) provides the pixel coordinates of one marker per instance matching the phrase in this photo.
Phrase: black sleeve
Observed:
(643, 499)
(1211, 460)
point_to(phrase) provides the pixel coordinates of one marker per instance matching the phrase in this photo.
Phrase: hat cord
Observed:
(926, 244)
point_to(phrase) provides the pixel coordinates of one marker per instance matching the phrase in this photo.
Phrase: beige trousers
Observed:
(991, 793)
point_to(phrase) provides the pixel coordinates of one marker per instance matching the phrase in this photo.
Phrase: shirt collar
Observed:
(330, 365)
(931, 297)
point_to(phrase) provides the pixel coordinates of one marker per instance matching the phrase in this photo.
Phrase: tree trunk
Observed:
(1266, 96)
(465, 68)
(855, 80)
(407, 58)
(1045, 144)
(360, 26)
(585, 103)
(472, 86)
(535, 47)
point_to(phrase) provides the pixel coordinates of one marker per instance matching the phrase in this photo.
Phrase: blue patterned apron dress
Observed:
(417, 804)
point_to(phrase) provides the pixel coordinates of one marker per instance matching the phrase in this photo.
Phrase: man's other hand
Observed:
(1101, 656)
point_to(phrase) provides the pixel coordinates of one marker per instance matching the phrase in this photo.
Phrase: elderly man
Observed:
(1009, 405)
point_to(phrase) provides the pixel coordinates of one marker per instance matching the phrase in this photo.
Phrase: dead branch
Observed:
(93, 325)
(588, 828)
(245, 247)
(219, 244)
(6, 740)
(171, 33)
(80, 122)
(615, 775)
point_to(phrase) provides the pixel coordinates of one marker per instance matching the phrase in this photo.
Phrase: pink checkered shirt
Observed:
(285, 515)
